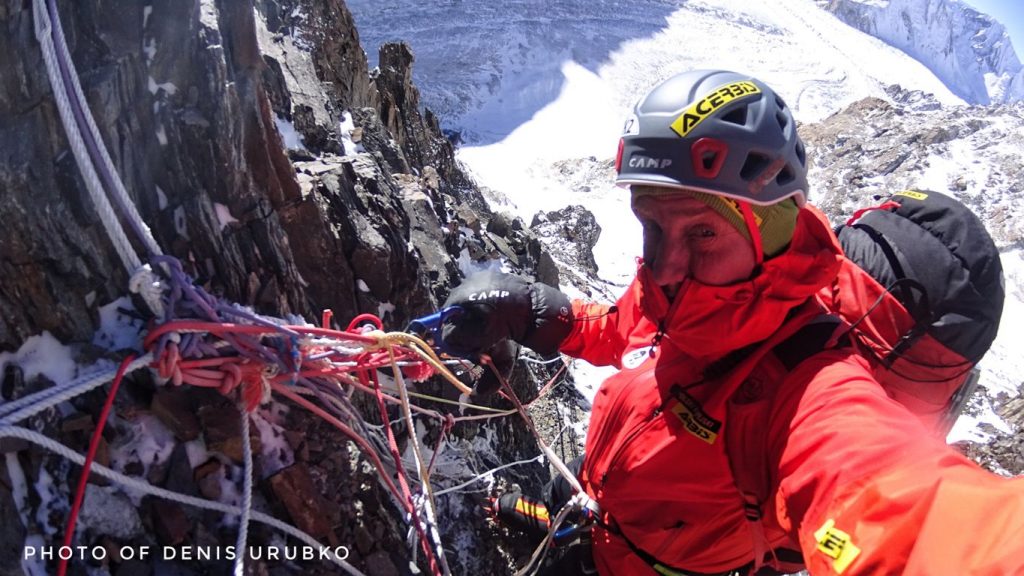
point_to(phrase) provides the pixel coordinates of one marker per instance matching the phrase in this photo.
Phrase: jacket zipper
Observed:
(629, 440)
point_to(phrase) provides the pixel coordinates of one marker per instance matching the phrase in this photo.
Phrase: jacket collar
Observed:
(711, 321)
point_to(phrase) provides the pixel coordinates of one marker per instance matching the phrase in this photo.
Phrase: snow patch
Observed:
(362, 285)
(181, 222)
(168, 87)
(42, 354)
(468, 266)
(34, 565)
(345, 128)
(120, 326)
(106, 510)
(149, 48)
(290, 137)
(384, 308)
(161, 198)
(229, 478)
(275, 451)
(196, 452)
(224, 216)
(144, 442)
(51, 500)
(161, 134)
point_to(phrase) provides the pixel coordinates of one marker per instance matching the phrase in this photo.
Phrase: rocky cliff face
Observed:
(873, 146)
(263, 155)
(967, 50)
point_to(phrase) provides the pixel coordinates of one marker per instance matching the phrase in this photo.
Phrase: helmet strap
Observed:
(755, 232)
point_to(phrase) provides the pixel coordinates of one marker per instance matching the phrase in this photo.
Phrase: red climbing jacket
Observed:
(858, 485)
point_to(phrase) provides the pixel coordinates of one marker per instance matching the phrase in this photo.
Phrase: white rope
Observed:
(145, 488)
(150, 287)
(92, 181)
(421, 468)
(486, 475)
(529, 360)
(124, 200)
(243, 528)
(542, 549)
(33, 404)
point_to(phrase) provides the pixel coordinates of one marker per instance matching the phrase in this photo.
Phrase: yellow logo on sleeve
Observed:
(837, 545)
(707, 105)
(912, 194)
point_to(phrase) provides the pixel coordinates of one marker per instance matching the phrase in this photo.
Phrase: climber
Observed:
(733, 257)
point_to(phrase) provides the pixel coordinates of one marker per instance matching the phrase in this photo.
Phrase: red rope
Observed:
(219, 328)
(94, 442)
(402, 481)
(246, 370)
(359, 440)
(365, 318)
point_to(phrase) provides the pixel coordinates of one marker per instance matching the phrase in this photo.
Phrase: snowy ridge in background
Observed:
(968, 50)
(487, 68)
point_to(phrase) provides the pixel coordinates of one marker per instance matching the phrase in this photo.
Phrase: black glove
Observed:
(503, 358)
(496, 306)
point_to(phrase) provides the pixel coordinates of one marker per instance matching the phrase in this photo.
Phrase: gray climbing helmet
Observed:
(717, 132)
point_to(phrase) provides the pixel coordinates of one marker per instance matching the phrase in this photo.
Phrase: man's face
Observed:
(684, 238)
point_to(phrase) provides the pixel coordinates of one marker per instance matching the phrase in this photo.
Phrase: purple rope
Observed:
(57, 33)
(180, 280)
(232, 311)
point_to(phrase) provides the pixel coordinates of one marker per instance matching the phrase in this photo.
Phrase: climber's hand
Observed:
(496, 306)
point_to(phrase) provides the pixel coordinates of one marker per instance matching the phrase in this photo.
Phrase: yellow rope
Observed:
(421, 349)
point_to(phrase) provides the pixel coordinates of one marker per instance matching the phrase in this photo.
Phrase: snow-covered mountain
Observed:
(486, 68)
(969, 51)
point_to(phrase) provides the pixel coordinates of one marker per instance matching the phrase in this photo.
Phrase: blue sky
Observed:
(1009, 13)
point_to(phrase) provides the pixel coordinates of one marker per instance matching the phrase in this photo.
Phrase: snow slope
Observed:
(486, 68)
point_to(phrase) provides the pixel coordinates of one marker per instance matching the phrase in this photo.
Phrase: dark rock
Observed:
(570, 234)
(12, 445)
(222, 426)
(499, 224)
(547, 270)
(380, 564)
(173, 406)
(77, 423)
(294, 488)
(364, 541)
(170, 522)
(418, 135)
(208, 477)
(503, 248)
(180, 476)
(102, 457)
(11, 532)
(469, 218)
(134, 567)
